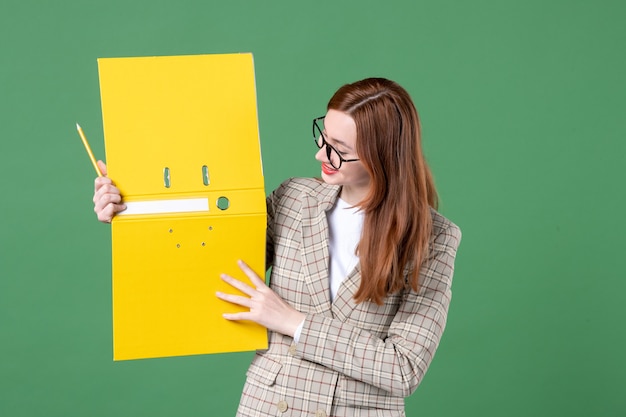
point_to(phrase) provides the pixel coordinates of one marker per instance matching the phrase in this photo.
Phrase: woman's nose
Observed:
(321, 154)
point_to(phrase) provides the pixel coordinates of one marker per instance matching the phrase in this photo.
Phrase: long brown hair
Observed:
(398, 225)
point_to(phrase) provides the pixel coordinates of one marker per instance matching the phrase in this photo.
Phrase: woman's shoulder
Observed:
(311, 185)
(444, 230)
(297, 187)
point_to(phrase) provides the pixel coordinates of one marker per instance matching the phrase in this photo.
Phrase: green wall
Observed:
(523, 105)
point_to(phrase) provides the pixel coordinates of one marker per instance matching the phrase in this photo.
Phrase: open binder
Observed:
(182, 145)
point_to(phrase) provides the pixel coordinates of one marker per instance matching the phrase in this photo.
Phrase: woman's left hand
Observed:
(266, 307)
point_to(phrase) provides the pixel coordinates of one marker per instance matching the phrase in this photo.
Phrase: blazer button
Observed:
(292, 349)
(320, 413)
(282, 406)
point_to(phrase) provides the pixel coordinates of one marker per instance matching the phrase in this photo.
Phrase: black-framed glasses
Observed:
(333, 155)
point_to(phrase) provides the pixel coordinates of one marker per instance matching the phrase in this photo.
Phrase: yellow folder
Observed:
(182, 145)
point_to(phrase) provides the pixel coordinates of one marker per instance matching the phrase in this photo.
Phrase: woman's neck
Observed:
(352, 195)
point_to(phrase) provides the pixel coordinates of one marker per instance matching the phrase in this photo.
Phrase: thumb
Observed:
(103, 167)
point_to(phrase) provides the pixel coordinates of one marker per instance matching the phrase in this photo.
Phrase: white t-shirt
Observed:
(345, 225)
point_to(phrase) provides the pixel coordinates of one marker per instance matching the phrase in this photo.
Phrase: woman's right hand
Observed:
(107, 199)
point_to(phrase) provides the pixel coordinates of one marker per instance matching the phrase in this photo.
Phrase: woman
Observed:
(361, 267)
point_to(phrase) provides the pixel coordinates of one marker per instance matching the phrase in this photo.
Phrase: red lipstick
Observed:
(328, 170)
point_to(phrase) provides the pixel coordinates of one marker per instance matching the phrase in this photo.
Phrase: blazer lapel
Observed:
(344, 301)
(315, 256)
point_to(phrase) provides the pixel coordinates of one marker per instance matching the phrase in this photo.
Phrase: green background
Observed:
(523, 105)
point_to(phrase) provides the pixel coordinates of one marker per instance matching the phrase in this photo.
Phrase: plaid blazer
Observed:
(351, 359)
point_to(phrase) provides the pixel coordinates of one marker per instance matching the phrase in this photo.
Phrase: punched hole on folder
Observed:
(223, 203)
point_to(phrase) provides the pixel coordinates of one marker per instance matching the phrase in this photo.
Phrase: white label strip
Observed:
(185, 205)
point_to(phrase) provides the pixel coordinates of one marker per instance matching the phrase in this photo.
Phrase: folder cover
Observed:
(182, 145)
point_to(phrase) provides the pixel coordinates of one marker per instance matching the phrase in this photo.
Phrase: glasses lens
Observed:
(317, 135)
(331, 153)
(333, 156)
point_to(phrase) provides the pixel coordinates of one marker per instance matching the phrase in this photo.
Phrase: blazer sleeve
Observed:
(398, 362)
(271, 203)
